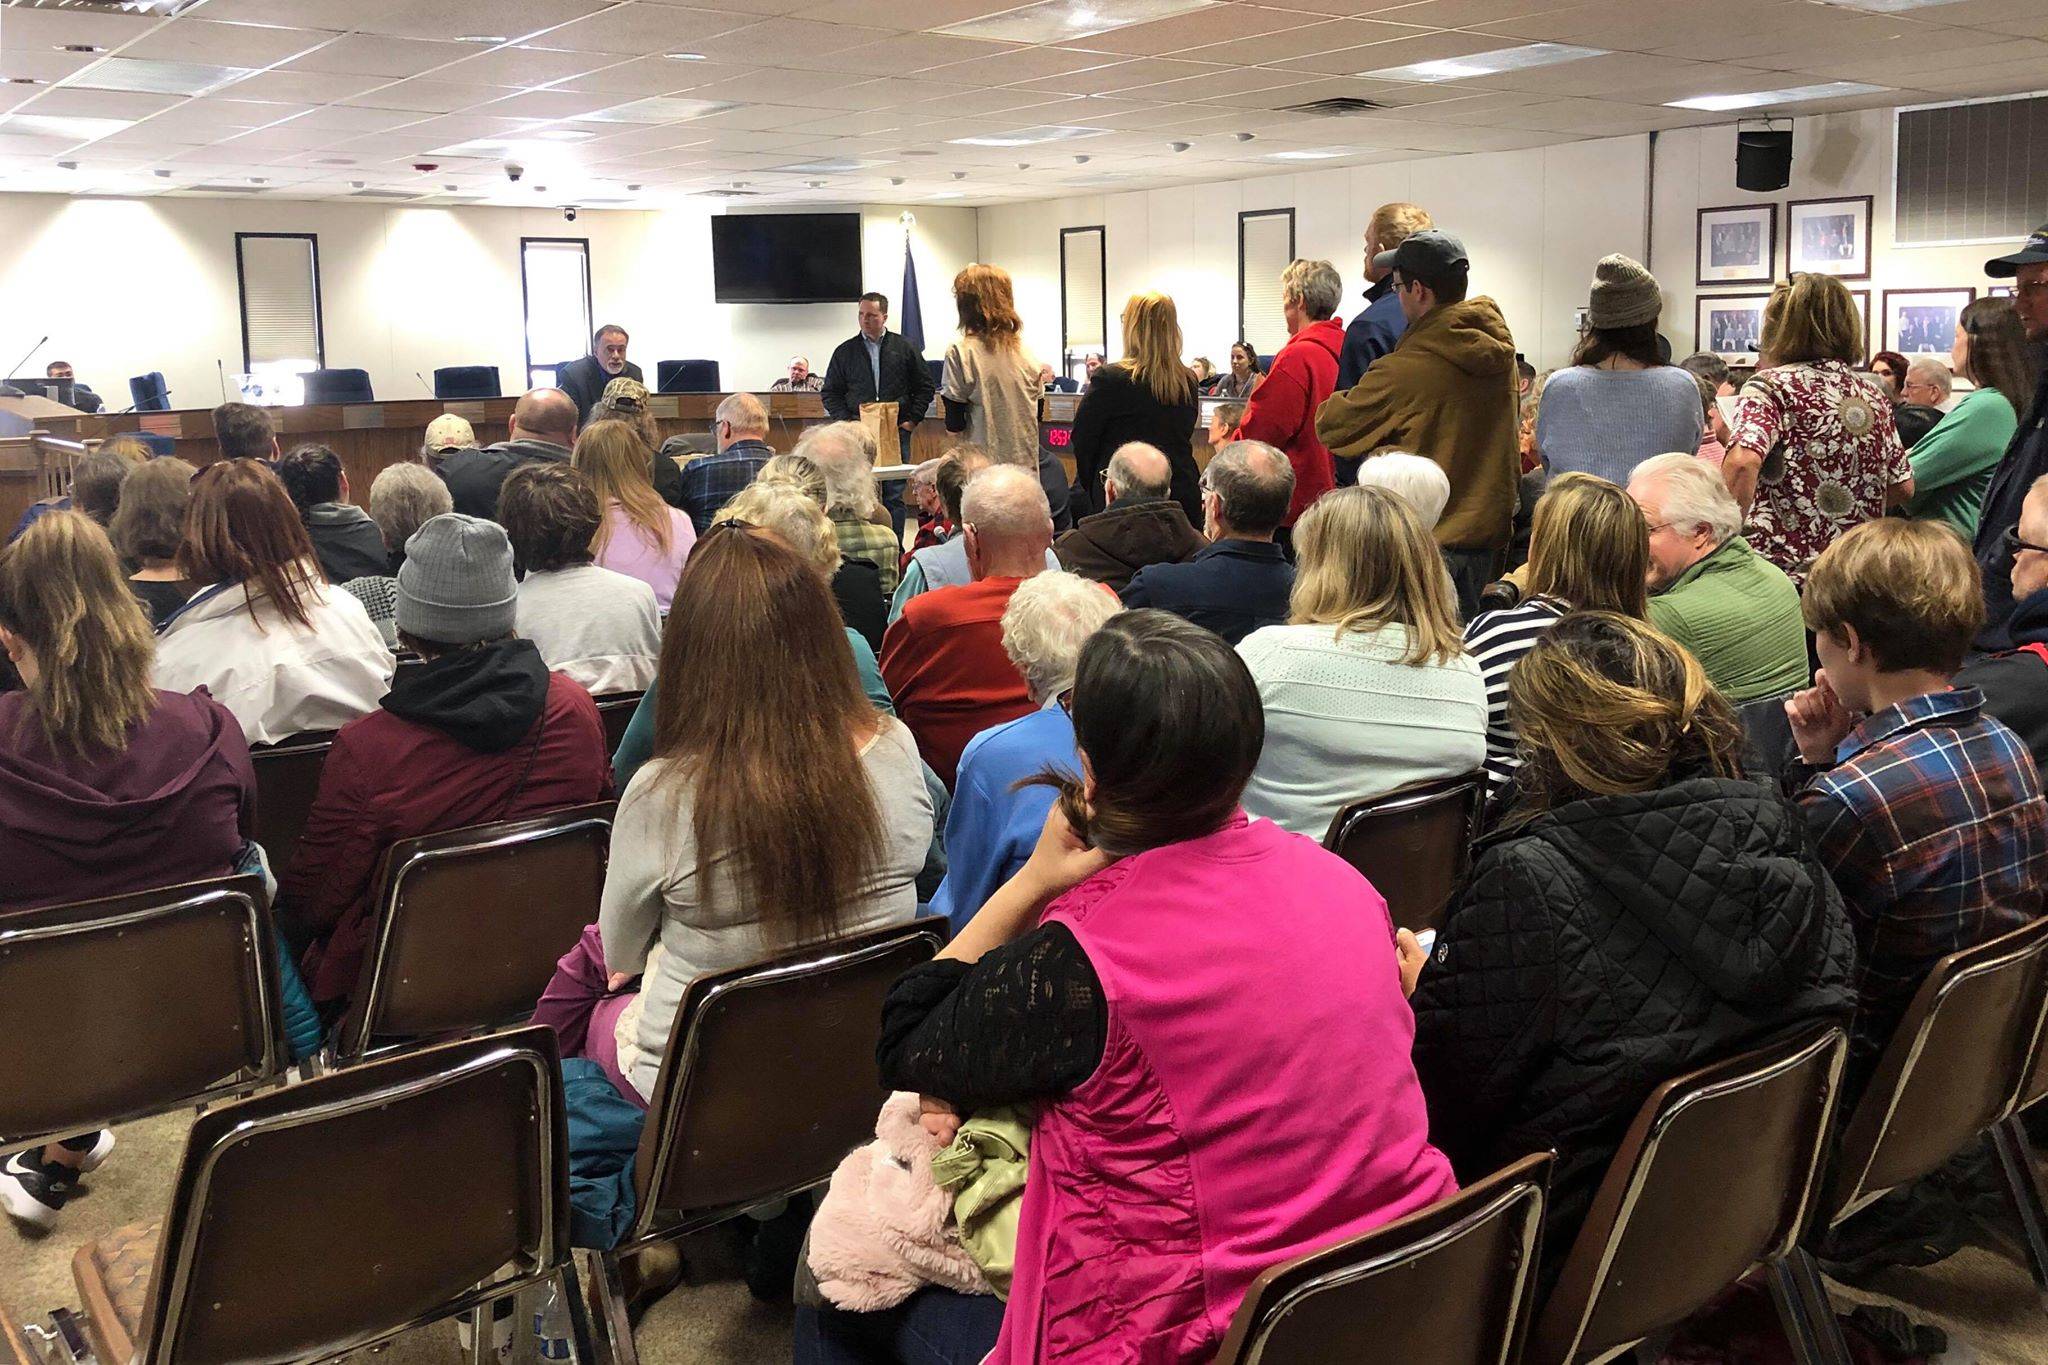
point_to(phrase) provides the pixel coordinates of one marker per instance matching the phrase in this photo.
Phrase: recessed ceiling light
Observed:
(1757, 99)
(156, 78)
(258, 180)
(487, 38)
(69, 128)
(659, 109)
(684, 56)
(67, 165)
(1313, 153)
(78, 47)
(1487, 63)
(25, 80)
(1052, 21)
(565, 134)
(1025, 137)
(1178, 146)
(451, 188)
(161, 175)
(949, 194)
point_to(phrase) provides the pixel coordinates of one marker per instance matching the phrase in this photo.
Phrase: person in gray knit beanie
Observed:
(1624, 294)
(456, 586)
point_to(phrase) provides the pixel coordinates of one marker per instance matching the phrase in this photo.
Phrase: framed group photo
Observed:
(1828, 237)
(1922, 322)
(1738, 244)
(1730, 326)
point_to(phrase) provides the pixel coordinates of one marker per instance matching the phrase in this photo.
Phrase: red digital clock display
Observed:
(1059, 438)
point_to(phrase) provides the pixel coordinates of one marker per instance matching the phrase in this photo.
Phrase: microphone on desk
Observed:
(423, 381)
(221, 368)
(25, 359)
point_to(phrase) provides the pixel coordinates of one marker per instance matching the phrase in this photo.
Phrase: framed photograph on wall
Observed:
(1922, 322)
(1828, 237)
(1729, 326)
(1738, 244)
(2000, 291)
(1870, 346)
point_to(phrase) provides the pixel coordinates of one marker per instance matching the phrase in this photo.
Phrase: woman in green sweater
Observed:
(1952, 463)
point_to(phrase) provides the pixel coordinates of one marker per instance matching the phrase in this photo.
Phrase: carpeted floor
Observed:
(1983, 1299)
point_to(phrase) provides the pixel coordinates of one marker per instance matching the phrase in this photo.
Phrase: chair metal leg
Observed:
(584, 1339)
(609, 1287)
(2023, 1192)
(1832, 1346)
(1792, 1313)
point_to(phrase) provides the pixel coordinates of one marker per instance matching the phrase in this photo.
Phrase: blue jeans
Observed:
(932, 1327)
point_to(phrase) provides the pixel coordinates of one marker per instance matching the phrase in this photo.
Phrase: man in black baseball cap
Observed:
(2026, 459)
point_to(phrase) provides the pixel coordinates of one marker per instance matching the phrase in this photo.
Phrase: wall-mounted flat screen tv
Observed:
(785, 257)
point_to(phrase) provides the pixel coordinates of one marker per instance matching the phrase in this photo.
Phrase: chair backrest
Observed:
(331, 1215)
(338, 386)
(1413, 844)
(470, 924)
(686, 376)
(149, 392)
(1960, 1055)
(769, 1077)
(159, 443)
(1767, 737)
(1716, 1175)
(135, 1004)
(1376, 1297)
(615, 710)
(287, 780)
(467, 381)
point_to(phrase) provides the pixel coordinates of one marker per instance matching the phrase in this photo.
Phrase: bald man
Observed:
(543, 428)
(1140, 525)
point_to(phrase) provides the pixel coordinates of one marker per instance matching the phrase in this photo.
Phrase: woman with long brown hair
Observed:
(148, 525)
(1952, 463)
(1147, 396)
(990, 385)
(790, 812)
(265, 634)
(641, 536)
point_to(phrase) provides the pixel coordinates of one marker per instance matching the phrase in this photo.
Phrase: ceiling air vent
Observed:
(222, 189)
(160, 8)
(385, 194)
(1337, 106)
(732, 194)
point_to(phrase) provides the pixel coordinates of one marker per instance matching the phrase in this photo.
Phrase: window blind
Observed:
(1974, 172)
(557, 278)
(280, 299)
(1265, 246)
(1081, 302)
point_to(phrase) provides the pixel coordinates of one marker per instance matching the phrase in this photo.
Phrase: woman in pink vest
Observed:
(1208, 1010)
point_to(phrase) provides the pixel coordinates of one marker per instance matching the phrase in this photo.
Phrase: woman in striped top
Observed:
(1589, 550)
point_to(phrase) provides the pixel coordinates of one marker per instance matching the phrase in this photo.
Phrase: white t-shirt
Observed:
(596, 626)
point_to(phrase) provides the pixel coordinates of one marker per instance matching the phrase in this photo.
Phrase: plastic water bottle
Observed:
(551, 1327)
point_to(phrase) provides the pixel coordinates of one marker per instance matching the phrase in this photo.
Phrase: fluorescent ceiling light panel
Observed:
(156, 78)
(1757, 99)
(1316, 153)
(659, 109)
(840, 166)
(61, 129)
(1487, 63)
(1026, 137)
(1887, 6)
(1054, 21)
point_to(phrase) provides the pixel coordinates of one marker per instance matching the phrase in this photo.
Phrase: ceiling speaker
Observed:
(1763, 159)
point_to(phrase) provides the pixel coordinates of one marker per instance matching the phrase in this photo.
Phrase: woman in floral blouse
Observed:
(1814, 450)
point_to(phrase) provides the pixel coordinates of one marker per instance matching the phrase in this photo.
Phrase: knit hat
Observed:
(456, 585)
(1624, 294)
(449, 432)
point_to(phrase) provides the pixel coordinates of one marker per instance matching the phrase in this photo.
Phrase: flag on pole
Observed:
(911, 321)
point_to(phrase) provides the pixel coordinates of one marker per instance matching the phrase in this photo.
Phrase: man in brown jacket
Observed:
(1141, 523)
(1447, 390)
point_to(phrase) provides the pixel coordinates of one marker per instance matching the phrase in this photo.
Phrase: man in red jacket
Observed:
(481, 732)
(1303, 374)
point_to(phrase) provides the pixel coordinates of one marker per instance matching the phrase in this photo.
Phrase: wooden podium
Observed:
(19, 416)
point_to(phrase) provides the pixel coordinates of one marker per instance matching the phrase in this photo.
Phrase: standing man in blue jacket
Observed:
(1380, 323)
(880, 366)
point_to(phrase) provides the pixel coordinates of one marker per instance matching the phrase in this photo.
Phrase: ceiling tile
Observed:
(1031, 63)
(635, 30)
(1412, 46)
(216, 44)
(522, 66)
(359, 54)
(651, 76)
(926, 14)
(303, 87)
(911, 52)
(50, 28)
(430, 96)
(64, 102)
(1199, 28)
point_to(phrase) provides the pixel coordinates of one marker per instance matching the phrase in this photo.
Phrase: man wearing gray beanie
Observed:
(1618, 403)
(478, 731)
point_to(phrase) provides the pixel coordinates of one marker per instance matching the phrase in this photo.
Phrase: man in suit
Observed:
(879, 366)
(584, 379)
(1242, 580)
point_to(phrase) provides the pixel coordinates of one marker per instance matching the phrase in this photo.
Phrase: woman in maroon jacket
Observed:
(481, 732)
(1282, 412)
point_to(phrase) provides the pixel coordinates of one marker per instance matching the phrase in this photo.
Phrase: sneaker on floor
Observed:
(96, 1146)
(32, 1191)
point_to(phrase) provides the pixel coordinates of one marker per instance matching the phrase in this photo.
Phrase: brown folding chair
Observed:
(1715, 1177)
(287, 780)
(1413, 844)
(134, 1005)
(337, 1214)
(616, 710)
(768, 1081)
(1365, 1298)
(2012, 1147)
(470, 924)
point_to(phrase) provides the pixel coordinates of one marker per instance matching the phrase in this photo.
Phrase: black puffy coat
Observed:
(1605, 946)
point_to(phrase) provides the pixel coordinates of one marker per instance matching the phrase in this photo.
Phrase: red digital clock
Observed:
(1059, 438)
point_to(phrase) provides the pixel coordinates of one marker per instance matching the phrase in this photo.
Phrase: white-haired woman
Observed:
(403, 498)
(1420, 480)
(844, 453)
(993, 824)
(1709, 590)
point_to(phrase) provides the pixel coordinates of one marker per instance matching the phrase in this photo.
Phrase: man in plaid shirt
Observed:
(740, 425)
(1928, 812)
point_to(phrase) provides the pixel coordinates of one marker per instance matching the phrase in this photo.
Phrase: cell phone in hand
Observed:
(1427, 938)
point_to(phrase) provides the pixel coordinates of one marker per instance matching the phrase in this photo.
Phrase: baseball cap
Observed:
(2033, 253)
(449, 432)
(626, 392)
(1429, 252)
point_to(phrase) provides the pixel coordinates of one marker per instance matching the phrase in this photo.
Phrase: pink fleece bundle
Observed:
(884, 1230)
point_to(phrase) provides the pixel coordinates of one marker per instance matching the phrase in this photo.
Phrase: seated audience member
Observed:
(945, 565)
(1953, 462)
(1204, 371)
(1890, 368)
(1241, 579)
(106, 785)
(740, 426)
(2015, 683)
(543, 427)
(943, 658)
(1927, 812)
(1244, 375)
(856, 582)
(1222, 422)
(146, 529)
(1736, 611)
(446, 434)
(345, 541)
(799, 379)
(1573, 975)
(1928, 383)
(844, 454)
(793, 517)
(265, 634)
(641, 536)
(794, 819)
(599, 629)
(96, 480)
(1529, 408)
(625, 400)
(403, 498)
(1368, 686)
(1418, 480)
(921, 493)
(480, 732)
(995, 818)
(1711, 448)
(1588, 551)
(1161, 969)
(1914, 421)
(1140, 523)
(244, 431)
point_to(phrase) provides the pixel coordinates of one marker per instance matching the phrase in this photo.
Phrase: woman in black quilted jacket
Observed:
(1640, 911)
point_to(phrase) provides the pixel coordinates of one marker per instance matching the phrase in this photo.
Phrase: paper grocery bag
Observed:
(880, 419)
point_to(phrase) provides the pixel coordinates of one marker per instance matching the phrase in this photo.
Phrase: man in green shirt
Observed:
(1736, 611)
(1952, 464)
